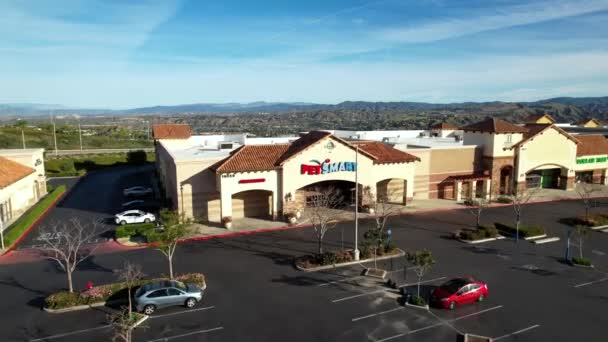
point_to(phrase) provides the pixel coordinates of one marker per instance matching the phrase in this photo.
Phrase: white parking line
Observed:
(382, 290)
(164, 339)
(182, 312)
(591, 282)
(423, 282)
(69, 333)
(517, 332)
(378, 313)
(438, 324)
(341, 280)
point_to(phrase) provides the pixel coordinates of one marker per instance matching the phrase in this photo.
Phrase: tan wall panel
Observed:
(453, 160)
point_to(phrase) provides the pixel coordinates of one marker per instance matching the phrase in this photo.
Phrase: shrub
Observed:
(471, 202)
(417, 300)
(524, 230)
(581, 261)
(504, 199)
(482, 232)
(62, 300)
(195, 278)
(328, 258)
(226, 219)
(142, 229)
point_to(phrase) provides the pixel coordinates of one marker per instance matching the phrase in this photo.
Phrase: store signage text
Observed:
(321, 168)
(592, 160)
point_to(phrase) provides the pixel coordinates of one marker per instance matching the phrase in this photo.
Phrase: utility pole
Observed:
(23, 138)
(357, 203)
(54, 134)
(148, 129)
(79, 134)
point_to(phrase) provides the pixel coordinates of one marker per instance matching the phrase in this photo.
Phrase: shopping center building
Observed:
(209, 177)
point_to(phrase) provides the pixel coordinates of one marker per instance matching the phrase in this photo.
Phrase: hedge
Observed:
(17, 229)
(503, 199)
(581, 261)
(482, 232)
(129, 230)
(524, 230)
(103, 293)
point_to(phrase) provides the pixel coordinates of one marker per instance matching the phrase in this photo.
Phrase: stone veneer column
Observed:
(458, 191)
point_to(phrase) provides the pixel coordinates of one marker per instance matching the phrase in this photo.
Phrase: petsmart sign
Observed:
(321, 168)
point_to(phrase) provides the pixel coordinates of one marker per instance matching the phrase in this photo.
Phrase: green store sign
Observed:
(592, 160)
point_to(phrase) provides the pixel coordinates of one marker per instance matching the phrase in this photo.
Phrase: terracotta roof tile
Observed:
(493, 125)
(593, 144)
(443, 125)
(384, 153)
(11, 172)
(251, 158)
(171, 131)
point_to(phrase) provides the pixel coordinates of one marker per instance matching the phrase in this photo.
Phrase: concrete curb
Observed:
(472, 242)
(582, 266)
(535, 237)
(426, 307)
(80, 307)
(327, 267)
(546, 240)
(599, 227)
(140, 321)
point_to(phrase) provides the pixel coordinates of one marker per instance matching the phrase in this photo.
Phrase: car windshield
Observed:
(453, 285)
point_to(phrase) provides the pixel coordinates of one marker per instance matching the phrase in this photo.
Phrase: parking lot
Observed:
(255, 293)
(87, 203)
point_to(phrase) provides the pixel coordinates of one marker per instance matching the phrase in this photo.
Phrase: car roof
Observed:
(131, 212)
(157, 285)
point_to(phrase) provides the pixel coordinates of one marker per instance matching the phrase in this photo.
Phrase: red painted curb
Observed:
(35, 223)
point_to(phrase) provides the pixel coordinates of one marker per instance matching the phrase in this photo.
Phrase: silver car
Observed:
(159, 294)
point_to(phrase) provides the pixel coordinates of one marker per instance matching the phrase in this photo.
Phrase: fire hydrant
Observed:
(89, 285)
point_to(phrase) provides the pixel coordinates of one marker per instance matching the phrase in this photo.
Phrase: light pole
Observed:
(2, 232)
(356, 203)
(23, 138)
(79, 134)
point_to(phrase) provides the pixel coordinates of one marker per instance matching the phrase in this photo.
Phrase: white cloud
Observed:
(445, 28)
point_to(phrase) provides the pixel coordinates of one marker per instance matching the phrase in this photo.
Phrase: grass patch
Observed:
(104, 293)
(503, 199)
(482, 232)
(524, 230)
(24, 222)
(593, 221)
(417, 300)
(581, 261)
(139, 229)
(65, 166)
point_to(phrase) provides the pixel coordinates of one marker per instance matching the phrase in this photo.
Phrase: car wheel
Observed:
(452, 305)
(147, 220)
(149, 309)
(481, 298)
(190, 302)
(123, 222)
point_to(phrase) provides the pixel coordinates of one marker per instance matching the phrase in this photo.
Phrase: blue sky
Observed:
(120, 54)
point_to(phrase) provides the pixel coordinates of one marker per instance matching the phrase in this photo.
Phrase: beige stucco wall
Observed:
(592, 165)
(196, 188)
(229, 186)
(547, 150)
(18, 197)
(493, 144)
(421, 172)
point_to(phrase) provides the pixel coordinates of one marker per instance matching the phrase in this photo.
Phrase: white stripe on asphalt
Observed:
(164, 339)
(517, 332)
(340, 280)
(69, 333)
(382, 290)
(591, 282)
(439, 324)
(182, 312)
(378, 313)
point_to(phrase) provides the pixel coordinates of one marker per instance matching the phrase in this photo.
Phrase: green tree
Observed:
(422, 261)
(20, 123)
(167, 238)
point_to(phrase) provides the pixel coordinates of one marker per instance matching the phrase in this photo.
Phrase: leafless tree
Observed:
(321, 211)
(122, 324)
(475, 205)
(585, 191)
(581, 231)
(130, 274)
(383, 210)
(166, 240)
(68, 243)
(519, 198)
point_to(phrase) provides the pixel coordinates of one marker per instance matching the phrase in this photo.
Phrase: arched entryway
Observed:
(547, 177)
(506, 180)
(252, 203)
(344, 192)
(392, 190)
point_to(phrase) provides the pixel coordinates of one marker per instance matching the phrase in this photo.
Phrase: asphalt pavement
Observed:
(255, 294)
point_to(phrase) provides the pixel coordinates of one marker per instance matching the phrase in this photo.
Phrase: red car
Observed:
(459, 291)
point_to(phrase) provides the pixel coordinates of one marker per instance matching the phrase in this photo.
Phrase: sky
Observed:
(124, 54)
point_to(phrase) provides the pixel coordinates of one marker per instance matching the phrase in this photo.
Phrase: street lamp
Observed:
(357, 203)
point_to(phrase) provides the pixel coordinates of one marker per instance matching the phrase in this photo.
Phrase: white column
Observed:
(473, 189)
(487, 188)
(226, 204)
(275, 205)
(458, 189)
(605, 177)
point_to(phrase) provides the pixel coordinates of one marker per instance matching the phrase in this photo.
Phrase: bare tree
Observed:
(423, 261)
(383, 210)
(476, 206)
(320, 211)
(167, 238)
(519, 199)
(122, 324)
(68, 243)
(130, 274)
(581, 231)
(585, 191)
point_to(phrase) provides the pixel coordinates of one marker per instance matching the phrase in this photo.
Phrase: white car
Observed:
(137, 191)
(133, 216)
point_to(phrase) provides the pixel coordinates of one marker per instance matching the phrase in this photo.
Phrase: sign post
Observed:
(357, 204)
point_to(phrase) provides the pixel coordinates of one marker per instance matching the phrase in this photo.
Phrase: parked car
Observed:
(459, 291)
(133, 216)
(133, 203)
(159, 294)
(137, 191)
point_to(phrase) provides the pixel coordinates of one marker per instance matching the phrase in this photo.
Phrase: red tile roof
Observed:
(493, 125)
(443, 125)
(251, 158)
(11, 172)
(590, 145)
(385, 154)
(171, 131)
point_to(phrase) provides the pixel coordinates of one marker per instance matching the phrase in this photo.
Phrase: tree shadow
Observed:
(300, 280)
(481, 250)
(89, 264)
